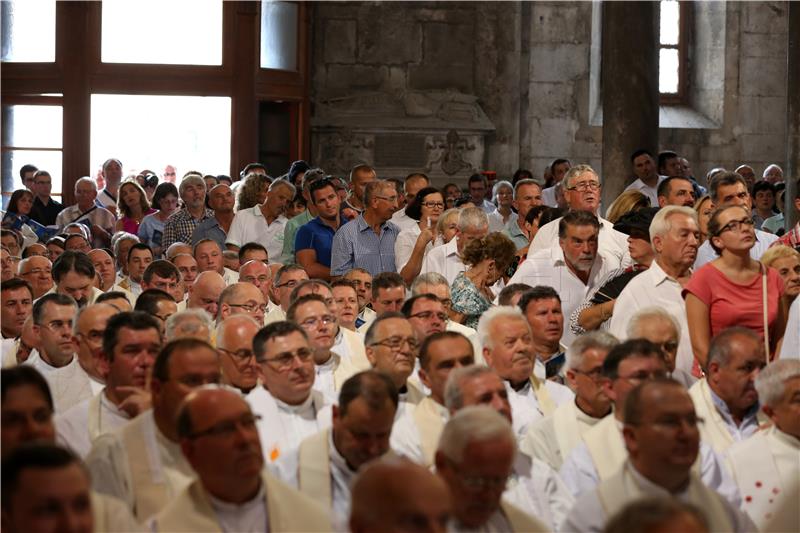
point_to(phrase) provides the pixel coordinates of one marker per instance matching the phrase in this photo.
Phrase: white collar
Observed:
(304, 408)
(235, 508)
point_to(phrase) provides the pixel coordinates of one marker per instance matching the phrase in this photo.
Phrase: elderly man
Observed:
(324, 465)
(363, 282)
(478, 444)
(417, 432)
(286, 279)
(663, 442)
(542, 309)
(675, 190)
(729, 188)
(573, 268)
(662, 329)
(367, 241)
(675, 237)
(473, 224)
(141, 462)
(234, 340)
(259, 274)
(100, 220)
(527, 194)
(765, 466)
(773, 174)
(290, 408)
(727, 398)
(232, 491)
(181, 224)
(37, 271)
(73, 273)
(205, 292)
(508, 349)
(220, 200)
(390, 493)
(190, 323)
(242, 298)
(582, 193)
(87, 334)
(264, 223)
(314, 240)
(131, 342)
(105, 268)
(644, 168)
(552, 438)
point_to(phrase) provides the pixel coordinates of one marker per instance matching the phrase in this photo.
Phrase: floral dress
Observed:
(468, 300)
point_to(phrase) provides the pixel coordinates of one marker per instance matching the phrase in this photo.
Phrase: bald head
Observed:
(205, 292)
(390, 494)
(257, 273)
(242, 298)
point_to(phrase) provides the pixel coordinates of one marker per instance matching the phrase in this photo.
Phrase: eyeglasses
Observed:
(242, 355)
(434, 205)
(253, 280)
(595, 374)
(291, 284)
(228, 427)
(250, 308)
(736, 225)
(317, 320)
(428, 315)
(37, 271)
(395, 343)
(585, 186)
(284, 361)
(93, 335)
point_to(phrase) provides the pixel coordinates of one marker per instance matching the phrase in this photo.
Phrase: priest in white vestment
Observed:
(508, 349)
(234, 341)
(141, 462)
(289, 407)
(90, 324)
(232, 491)
(286, 279)
(662, 439)
(766, 465)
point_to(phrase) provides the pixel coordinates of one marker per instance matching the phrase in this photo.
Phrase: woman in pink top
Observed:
(133, 207)
(728, 291)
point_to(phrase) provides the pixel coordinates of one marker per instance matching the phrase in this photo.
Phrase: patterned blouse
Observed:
(468, 300)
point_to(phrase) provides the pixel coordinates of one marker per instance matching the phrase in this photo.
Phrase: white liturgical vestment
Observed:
(534, 401)
(508, 518)
(536, 489)
(80, 425)
(350, 345)
(719, 430)
(416, 433)
(69, 384)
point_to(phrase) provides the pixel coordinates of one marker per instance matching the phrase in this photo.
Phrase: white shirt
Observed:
(525, 406)
(445, 260)
(248, 517)
(323, 380)
(549, 197)
(548, 267)
(654, 287)
(536, 489)
(487, 206)
(790, 349)
(496, 222)
(406, 439)
(642, 187)
(404, 246)
(403, 221)
(69, 385)
(229, 276)
(497, 523)
(249, 225)
(282, 426)
(609, 240)
(73, 426)
(764, 240)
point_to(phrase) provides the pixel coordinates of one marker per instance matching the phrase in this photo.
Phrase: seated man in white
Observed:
(312, 313)
(53, 316)
(602, 452)
(675, 236)
(574, 267)
(416, 433)
(232, 491)
(324, 465)
(475, 458)
(289, 407)
(663, 442)
(234, 341)
(581, 186)
(141, 462)
(508, 349)
(662, 329)
(286, 279)
(766, 466)
(552, 438)
(87, 333)
(131, 343)
(727, 398)
(445, 259)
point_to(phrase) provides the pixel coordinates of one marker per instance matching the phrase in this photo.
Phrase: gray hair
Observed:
(661, 223)
(496, 188)
(184, 318)
(376, 187)
(119, 238)
(85, 179)
(720, 348)
(220, 333)
(576, 171)
(453, 392)
(453, 212)
(191, 178)
(472, 217)
(282, 183)
(602, 340)
(430, 278)
(477, 423)
(771, 167)
(522, 183)
(488, 318)
(771, 381)
(639, 321)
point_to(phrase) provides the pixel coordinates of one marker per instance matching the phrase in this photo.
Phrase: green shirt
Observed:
(513, 232)
(289, 233)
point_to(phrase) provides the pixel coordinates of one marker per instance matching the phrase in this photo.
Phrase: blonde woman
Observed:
(786, 261)
(703, 208)
(626, 202)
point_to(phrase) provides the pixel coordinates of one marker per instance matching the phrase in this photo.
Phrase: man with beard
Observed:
(675, 190)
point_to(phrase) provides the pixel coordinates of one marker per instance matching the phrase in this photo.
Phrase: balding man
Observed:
(324, 465)
(105, 269)
(37, 271)
(475, 458)
(232, 491)
(220, 200)
(235, 346)
(765, 465)
(101, 220)
(259, 274)
(87, 335)
(663, 441)
(141, 462)
(205, 292)
(264, 223)
(391, 493)
(284, 281)
(208, 255)
(242, 298)
(664, 330)
(193, 323)
(473, 224)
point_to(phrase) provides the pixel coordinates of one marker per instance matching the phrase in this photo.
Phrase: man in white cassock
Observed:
(552, 438)
(416, 433)
(286, 279)
(234, 341)
(766, 466)
(131, 343)
(663, 441)
(508, 349)
(141, 462)
(232, 491)
(324, 465)
(289, 407)
(602, 451)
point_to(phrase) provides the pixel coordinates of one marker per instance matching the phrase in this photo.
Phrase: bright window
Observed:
(278, 35)
(150, 132)
(671, 51)
(173, 32)
(28, 30)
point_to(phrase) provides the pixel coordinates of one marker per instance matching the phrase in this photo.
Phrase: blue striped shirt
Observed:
(355, 245)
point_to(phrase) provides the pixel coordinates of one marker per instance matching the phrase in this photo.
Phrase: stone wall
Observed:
(530, 66)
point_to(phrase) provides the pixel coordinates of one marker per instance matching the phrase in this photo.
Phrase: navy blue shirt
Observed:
(318, 236)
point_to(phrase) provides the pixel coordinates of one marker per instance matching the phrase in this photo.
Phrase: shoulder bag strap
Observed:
(765, 308)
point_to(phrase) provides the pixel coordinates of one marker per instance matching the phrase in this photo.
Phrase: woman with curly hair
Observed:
(486, 259)
(253, 191)
(133, 206)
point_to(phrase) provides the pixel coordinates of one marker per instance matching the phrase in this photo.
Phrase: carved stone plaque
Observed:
(400, 151)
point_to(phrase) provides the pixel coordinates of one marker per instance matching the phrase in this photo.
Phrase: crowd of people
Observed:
(323, 353)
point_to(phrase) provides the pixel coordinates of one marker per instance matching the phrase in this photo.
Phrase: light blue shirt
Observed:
(356, 245)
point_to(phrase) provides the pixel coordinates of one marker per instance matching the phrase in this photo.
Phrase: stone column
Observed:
(792, 171)
(630, 89)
